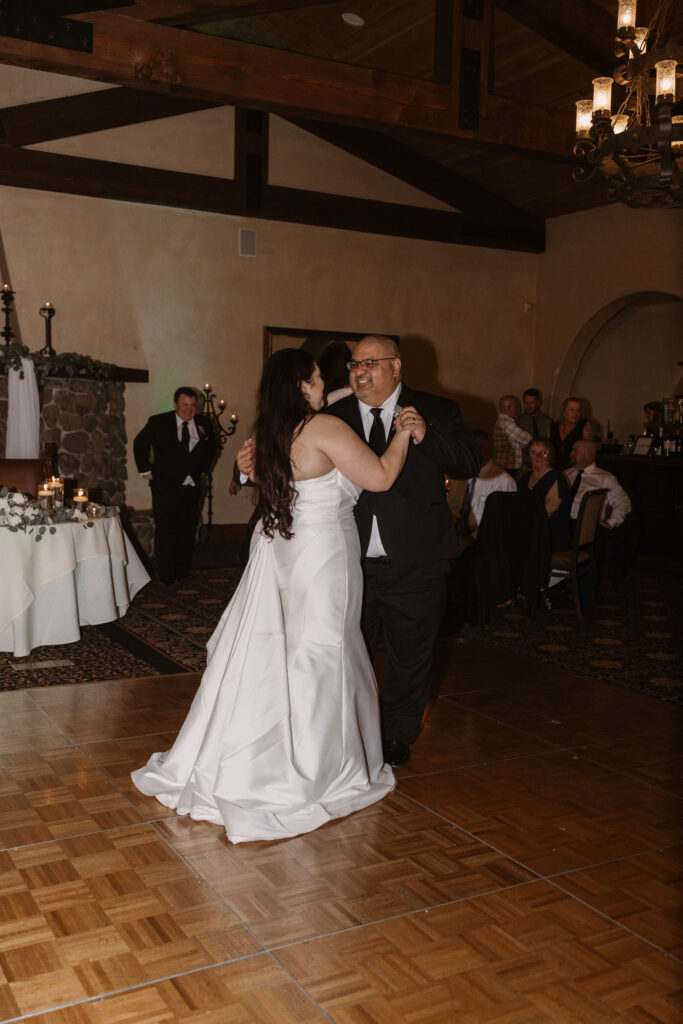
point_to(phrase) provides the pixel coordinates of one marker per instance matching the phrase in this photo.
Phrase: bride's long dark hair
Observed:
(283, 410)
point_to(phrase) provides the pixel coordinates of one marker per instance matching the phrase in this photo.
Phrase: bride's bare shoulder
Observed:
(327, 426)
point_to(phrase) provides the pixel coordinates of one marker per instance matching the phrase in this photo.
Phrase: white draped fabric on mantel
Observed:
(23, 413)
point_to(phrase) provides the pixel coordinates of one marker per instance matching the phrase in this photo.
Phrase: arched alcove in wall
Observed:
(626, 354)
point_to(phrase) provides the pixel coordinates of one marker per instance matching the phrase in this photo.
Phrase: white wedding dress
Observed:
(283, 734)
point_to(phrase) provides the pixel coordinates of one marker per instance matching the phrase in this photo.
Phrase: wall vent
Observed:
(247, 243)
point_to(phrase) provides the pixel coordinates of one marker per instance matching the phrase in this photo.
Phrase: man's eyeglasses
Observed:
(366, 364)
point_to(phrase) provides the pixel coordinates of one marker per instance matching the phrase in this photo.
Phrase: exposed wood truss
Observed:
(163, 66)
(63, 118)
(221, 71)
(581, 28)
(186, 12)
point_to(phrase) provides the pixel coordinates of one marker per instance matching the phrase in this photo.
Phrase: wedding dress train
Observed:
(283, 734)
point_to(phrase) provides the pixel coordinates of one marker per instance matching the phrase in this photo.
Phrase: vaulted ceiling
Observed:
(470, 101)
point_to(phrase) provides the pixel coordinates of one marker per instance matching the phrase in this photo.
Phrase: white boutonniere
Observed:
(201, 431)
(398, 409)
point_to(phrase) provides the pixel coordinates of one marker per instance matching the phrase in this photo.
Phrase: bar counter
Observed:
(655, 487)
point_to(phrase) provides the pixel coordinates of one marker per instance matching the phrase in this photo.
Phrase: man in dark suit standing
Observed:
(172, 451)
(407, 535)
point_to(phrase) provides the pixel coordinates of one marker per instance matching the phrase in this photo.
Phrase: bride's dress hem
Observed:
(283, 734)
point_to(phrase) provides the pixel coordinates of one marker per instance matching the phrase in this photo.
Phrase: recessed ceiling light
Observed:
(353, 19)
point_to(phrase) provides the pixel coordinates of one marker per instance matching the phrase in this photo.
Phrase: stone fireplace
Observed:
(86, 420)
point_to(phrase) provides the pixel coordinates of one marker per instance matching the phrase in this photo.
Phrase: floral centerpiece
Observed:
(20, 512)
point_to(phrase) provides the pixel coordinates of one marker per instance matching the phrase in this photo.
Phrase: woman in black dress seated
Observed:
(551, 487)
(569, 428)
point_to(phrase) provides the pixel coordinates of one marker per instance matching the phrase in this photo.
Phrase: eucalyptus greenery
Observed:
(66, 364)
(20, 512)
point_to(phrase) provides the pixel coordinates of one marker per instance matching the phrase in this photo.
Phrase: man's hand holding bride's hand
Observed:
(246, 457)
(410, 419)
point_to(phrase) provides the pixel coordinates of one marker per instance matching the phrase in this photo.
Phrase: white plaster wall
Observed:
(634, 363)
(592, 259)
(166, 290)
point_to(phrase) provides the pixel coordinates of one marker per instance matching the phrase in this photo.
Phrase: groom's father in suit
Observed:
(172, 451)
(407, 535)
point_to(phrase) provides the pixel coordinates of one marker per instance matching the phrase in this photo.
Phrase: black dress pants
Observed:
(175, 510)
(409, 602)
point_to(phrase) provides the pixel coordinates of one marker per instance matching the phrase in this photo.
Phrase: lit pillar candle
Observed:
(45, 498)
(57, 485)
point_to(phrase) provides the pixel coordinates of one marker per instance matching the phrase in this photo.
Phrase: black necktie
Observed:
(377, 439)
(185, 437)
(574, 489)
(534, 426)
(467, 523)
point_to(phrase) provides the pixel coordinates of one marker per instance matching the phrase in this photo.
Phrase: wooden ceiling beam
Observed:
(190, 12)
(63, 118)
(222, 71)
(434, 179)
(54, 172)
(583, 29)
(100, 179)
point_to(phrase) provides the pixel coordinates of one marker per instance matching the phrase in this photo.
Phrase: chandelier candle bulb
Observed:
(626, 15)
(666, 81)
(619, 123)
(584, 116)
(602, 96)
(677, 144)
(640, 41)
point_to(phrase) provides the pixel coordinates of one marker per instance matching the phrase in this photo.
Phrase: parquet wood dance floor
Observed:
(527, 869)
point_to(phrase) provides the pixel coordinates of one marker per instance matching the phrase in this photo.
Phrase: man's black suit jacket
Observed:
(158, 449)
(415, 522)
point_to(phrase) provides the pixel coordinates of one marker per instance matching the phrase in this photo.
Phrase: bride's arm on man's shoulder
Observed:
(354, 458)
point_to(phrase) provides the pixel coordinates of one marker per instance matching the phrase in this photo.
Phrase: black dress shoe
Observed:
(396, 753)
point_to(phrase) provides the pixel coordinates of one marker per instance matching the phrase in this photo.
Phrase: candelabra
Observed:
(47, 311)
(7, 297)
(221, 434)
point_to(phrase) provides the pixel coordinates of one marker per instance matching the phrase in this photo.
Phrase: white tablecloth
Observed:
(78, 576)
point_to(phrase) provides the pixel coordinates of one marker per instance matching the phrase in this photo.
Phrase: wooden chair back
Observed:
(24, 474)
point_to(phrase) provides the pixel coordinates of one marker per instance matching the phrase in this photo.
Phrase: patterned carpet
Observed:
(633, 640)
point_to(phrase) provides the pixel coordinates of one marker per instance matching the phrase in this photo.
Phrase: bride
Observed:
(283, 733)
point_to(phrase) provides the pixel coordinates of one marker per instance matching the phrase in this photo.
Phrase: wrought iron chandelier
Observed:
(638, 150)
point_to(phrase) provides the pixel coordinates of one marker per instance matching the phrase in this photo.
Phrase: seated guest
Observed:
(551, 487)
(509, 440)
(586, 476)
(466, 498)
(569, 428)
(615, 515)
(532, 420)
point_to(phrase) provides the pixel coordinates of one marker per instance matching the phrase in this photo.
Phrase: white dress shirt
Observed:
(375, 546)
(616, 504)
(194, 438)
(491, 478)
